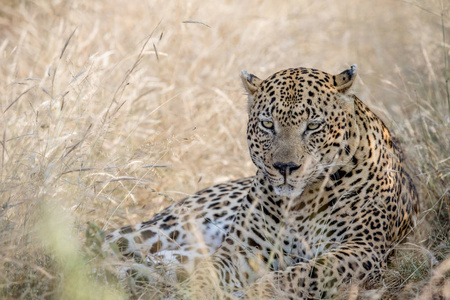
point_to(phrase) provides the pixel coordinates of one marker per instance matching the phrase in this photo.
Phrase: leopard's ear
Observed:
(344, 81)
(251, 82)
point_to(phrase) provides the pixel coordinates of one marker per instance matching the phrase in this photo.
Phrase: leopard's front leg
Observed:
(207, 281)
(351, 263)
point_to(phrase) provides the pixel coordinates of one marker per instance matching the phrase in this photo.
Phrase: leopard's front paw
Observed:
(264, 288)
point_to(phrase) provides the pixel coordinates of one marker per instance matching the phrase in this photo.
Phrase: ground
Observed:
(112, 110)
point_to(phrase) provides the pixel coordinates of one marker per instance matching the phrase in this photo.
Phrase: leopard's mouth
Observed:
(285, 186)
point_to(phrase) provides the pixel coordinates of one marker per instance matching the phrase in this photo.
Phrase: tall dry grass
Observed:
(111, 110)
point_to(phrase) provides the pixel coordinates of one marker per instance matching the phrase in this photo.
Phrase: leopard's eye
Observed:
(313, 126)
(267, 124)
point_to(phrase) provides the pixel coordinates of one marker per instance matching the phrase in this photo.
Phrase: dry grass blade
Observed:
(156, 52)
(128, 179)
(79, 170)
(3, 152)
(156, 166)
(77, 144)
(123, 84)
(67, 43)
(17, 99)
(77, 75)
(196, 22)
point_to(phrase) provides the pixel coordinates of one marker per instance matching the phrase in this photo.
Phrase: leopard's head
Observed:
(299, 127)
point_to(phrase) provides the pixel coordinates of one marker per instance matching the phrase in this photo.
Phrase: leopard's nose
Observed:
(285, 168)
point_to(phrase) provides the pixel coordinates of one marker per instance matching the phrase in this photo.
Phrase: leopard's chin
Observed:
(288, 191)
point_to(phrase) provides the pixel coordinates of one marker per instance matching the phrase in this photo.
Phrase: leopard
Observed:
(330, 200)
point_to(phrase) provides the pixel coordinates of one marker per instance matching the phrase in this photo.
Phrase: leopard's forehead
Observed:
(291, 83)
(299, 92)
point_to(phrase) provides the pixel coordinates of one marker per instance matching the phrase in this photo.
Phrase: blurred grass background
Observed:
(111, 110)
